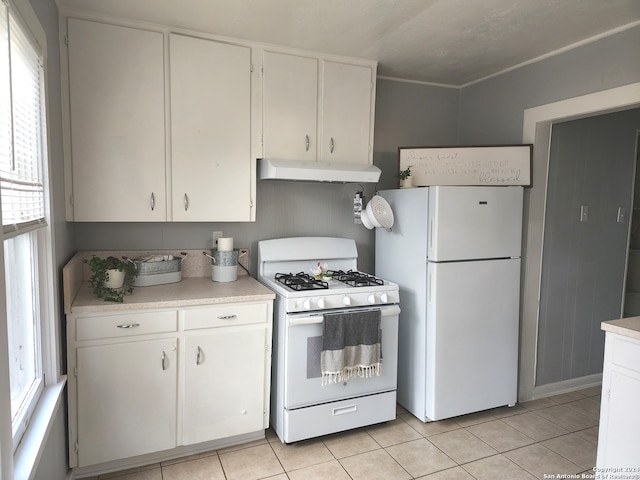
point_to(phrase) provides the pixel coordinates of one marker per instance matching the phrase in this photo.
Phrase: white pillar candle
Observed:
(225, 244)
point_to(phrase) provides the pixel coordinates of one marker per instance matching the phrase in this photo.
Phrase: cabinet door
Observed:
(346, 113)
(290, 106)
(224, 383)
(116, 89)
(619, 413)
(126, 402)
(211, 169)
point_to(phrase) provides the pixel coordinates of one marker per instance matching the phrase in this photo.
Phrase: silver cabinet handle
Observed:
(129, 325)
(186, 202)
(306, 143)
(331, 145)
(164, 360)
(153, 201)
(226, 317)
(199, 356)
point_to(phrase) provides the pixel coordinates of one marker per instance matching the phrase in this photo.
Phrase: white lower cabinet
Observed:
(153, 381)
(618, 437)
(224, 383)
(126, 399)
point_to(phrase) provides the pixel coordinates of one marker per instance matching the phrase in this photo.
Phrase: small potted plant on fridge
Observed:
(405, 177)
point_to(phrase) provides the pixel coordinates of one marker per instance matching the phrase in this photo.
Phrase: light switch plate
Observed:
(216, 235)
(584, 213)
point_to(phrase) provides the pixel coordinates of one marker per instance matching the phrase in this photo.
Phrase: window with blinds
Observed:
(27, 244)
(21, 172)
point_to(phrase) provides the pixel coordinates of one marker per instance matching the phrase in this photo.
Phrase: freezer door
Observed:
(474, 222)
(472, 336)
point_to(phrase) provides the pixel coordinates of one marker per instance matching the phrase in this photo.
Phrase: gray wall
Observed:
(411, 115)
(492, 111)
(591, 163)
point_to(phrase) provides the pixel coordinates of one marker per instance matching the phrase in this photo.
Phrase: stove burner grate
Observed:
(301, 281)
(355, 278)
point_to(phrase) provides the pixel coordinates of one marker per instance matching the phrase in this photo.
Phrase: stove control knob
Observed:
(306, 304)
(371, 298)
(346, 300)
(384, 298)
(320, 303)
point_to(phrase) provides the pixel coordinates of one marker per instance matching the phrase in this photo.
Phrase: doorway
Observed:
(537, 123)
(632, 284)
(586, 232)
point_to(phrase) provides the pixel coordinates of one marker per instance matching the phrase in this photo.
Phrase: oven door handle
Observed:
(311, 319)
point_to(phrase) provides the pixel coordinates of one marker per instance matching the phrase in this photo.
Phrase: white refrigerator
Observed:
(455, 253)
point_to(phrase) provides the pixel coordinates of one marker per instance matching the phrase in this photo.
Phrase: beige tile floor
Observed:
(552, 436)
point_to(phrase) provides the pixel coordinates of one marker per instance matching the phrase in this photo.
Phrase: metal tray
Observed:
(151, 266)
(157, 279)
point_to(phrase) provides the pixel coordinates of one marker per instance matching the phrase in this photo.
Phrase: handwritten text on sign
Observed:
(495, 165)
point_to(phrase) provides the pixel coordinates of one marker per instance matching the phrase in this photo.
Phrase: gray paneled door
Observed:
(591, 169)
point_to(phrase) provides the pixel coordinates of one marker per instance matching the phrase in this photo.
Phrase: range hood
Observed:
(320, 171)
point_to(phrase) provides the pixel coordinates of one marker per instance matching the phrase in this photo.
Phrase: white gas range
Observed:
(301, 406)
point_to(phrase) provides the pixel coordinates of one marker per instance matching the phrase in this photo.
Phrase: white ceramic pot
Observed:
(406, 183)
(115, 279)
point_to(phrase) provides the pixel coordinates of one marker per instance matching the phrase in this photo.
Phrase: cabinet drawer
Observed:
(107, 326)
(224, 316)
(626, 353)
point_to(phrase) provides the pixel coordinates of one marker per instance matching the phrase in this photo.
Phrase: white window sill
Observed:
(27, 456)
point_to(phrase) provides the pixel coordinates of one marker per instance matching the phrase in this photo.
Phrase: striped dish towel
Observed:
(350, 346)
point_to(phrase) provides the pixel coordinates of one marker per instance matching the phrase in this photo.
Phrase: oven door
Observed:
(303, 344)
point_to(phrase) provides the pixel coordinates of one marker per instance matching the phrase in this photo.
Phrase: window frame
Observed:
(20, 457)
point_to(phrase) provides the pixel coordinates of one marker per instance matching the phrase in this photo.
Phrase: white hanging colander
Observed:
(377, 214)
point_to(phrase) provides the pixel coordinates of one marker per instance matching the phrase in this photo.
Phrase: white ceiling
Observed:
(446, 42)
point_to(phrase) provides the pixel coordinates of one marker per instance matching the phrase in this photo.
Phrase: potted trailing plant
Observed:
(111, 277)
(405, 177)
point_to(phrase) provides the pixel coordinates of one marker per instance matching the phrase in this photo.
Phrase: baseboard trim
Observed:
(566, 386)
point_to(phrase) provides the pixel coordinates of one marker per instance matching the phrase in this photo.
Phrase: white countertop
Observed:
(188, 292)
(628, 327)
(195, 288)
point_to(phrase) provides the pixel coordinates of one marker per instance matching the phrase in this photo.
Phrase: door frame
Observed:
(537, 131)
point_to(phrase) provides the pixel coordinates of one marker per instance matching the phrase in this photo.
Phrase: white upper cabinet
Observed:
(290, 107)
(347, 113)
(211, 168)
(117, 122)
(315, 109)
(165, 126)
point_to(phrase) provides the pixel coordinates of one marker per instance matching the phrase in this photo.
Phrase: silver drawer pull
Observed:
(199, 356)
(129, 325)
(227, 317)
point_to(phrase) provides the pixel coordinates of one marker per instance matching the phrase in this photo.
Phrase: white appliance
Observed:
(301, 407)
(455, 253)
